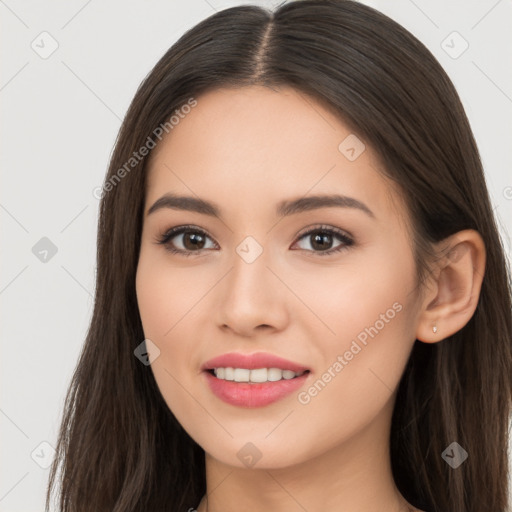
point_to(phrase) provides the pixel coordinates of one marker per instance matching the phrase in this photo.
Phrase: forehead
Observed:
(254, 146)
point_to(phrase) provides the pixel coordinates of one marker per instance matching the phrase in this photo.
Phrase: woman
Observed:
(302, 299)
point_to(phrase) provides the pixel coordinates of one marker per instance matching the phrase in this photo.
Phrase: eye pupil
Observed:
(196, 240)
(322, 241)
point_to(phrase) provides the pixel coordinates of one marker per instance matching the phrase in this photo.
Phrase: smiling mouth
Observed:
(254, 376)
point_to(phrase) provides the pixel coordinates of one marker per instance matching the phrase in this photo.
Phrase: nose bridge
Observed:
(251, 293)
(250, 274)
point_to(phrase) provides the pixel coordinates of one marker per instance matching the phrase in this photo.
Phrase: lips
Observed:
(252, 361)
(249, 395)
(252, 394)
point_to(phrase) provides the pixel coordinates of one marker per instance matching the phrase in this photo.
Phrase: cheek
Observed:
(370, 313)
(167, 294)
(169, 301)
(371, 290)
(364, 313)
(160, 309)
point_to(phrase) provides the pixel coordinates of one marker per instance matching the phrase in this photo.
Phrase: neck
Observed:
(355, 475)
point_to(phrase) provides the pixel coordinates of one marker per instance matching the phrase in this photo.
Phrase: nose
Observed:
(252, 299)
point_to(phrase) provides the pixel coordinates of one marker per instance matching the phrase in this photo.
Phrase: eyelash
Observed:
(171, 233)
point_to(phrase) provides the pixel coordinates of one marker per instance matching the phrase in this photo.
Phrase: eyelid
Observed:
(323, 227)
(178, 230)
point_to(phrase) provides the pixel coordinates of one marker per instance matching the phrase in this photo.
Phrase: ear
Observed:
(454, 287)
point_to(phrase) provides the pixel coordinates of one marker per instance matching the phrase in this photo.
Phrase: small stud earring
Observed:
(434, 328)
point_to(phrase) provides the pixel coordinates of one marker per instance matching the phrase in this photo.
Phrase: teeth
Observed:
(256, 375)
(242, 375)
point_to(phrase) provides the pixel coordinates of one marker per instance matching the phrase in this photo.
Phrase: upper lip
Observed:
(252, 361)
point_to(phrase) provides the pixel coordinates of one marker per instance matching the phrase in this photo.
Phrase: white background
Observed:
(60, 117)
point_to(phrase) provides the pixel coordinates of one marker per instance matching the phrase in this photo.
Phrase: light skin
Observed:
(246, 150)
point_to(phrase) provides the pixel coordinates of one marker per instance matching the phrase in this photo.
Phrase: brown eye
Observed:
(321, 240)
(186, 240)
(193, 240)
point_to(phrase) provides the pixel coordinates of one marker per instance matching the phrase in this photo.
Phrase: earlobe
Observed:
(454, 288)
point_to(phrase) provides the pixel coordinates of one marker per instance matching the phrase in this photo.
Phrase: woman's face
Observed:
(328, 285)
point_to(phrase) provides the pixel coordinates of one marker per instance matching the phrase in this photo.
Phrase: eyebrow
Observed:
(284, 208)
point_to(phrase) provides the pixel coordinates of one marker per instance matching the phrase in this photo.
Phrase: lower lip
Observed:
(243, 394)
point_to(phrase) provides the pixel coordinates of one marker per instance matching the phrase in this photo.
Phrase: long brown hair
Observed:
(120, 448)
